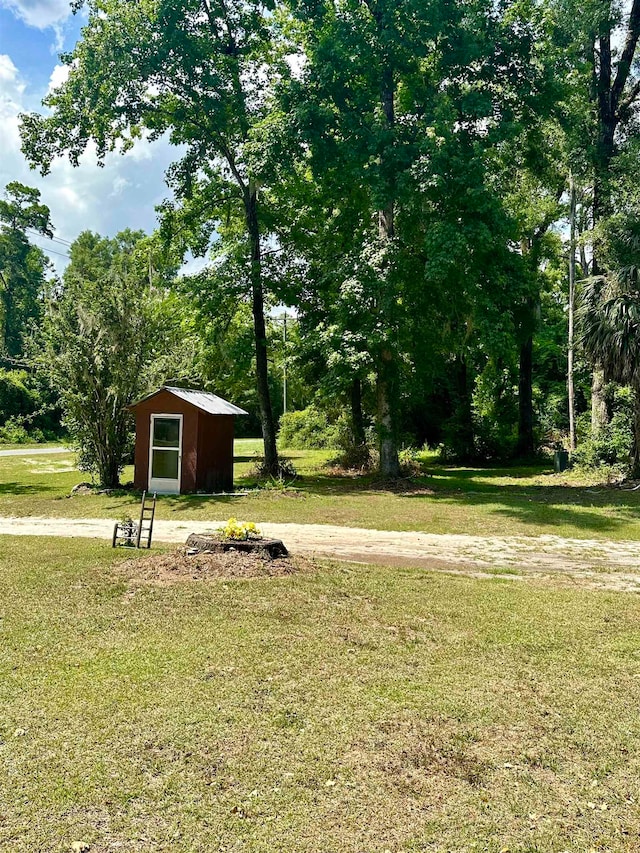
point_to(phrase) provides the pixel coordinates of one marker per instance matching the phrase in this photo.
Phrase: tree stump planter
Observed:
(203, 542)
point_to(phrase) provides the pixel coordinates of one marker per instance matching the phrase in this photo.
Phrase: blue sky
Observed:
(121, 195)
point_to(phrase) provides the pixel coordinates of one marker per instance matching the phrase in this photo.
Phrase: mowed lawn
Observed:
(518, 501)
(346, 708)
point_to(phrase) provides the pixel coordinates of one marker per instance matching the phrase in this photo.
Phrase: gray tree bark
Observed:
(257, 304)
(572, 297)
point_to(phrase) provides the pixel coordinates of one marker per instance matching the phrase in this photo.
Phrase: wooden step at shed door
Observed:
(145, 527)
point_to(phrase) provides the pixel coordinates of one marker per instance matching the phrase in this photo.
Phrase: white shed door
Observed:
(165, 454)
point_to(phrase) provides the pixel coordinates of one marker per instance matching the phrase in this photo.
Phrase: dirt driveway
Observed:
(587, 562)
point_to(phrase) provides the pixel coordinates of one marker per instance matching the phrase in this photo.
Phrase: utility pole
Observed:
(572, 297)
(284, 363)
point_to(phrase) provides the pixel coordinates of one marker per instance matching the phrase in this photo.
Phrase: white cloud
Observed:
(58, 44)
(39, 13)
(192, 265)
(11, 86)
(140, 152)
(121, 195)
(120, 184)
(59, 75)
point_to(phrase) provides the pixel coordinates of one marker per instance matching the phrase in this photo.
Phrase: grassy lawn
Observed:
(346, 709)
(484, 501)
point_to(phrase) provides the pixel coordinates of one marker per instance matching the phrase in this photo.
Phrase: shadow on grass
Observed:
(541, 505)
(189, 503)
(463, 475)
(544, 515)
(24, 489)
(545, 506)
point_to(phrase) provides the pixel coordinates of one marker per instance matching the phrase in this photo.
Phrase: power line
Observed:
(53, 239)
(49, 249)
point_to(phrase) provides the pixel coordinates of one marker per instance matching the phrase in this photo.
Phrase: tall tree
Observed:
(22, 265)
(105, 341)
(571, 313)
(392, 93)
(610, 317)
(603, 43)
(203, 71)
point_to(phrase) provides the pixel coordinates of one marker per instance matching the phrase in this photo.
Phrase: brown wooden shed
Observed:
(184, 441)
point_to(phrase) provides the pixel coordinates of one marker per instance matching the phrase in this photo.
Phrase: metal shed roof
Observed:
(204, 400)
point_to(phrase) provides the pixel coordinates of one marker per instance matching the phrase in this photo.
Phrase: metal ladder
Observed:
(128, 534)
(145, 526)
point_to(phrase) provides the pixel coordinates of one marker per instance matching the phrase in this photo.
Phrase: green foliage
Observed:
(22, 265)
(281, 480)
(204, 75)
(495, 409)
(107, 339)
(357, 457)
(613, 444)
(13, 431)
(410, 462)
(309, 429)
(401, 187)
(16, 398)
(28, 411)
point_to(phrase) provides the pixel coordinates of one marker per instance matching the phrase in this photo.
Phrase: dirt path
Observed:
(34, 451)
(595, 563)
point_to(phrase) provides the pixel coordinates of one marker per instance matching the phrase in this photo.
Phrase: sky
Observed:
(121, 195)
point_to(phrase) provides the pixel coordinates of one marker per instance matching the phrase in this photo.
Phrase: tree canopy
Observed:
(396, 172)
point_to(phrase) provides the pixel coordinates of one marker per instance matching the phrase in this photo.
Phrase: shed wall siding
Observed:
(207, 444)
(215, 453)
(166, 404)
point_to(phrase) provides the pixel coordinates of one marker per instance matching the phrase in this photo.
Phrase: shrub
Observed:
(357, 457)
(286, 472)
(309, 429)
(410, 463)
(612, 445)
(14, 432)
(16, 399)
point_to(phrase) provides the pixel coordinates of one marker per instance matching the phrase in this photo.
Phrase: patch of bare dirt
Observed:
(174, 566)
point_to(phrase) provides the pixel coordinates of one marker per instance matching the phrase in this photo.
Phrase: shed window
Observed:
(166, 432)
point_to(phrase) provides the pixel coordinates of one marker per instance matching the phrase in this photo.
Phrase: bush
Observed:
(16, 399)
(357, 457)
(27, 409)
(14, 432)
(410, 462)
(613, 444)
(309, 429)
(286, 473)
(494, 415)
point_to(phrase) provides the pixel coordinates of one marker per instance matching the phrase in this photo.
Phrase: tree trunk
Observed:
(572, 287)
(599, 414)
(387, 368)
(357, 419)
(111, 478)
(464, 440)
(386, 388)
(257, 304)
(108, 464)
(526, 445)
(607, 122)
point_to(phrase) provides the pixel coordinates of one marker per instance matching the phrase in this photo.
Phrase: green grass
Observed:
(42, 445)
(344, 710)
(483, 501)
